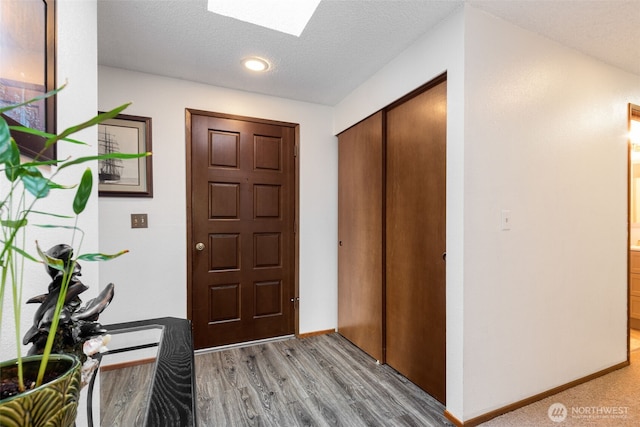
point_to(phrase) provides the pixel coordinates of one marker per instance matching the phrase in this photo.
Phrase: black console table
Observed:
(173, 394)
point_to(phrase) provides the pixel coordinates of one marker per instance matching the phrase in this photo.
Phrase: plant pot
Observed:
(54, 403)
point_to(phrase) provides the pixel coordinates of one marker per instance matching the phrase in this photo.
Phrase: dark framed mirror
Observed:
(28, 70)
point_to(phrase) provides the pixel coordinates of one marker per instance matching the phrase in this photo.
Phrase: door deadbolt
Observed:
(200, 246)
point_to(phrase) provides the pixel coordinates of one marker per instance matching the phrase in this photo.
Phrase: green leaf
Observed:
(103, 157)
(91, 122)
(12, 173)
(5, 139)
(11, 158)
(41, 163)
(19, 250)
(54, 263)
(66, 227)
(51, 214)
(14, 223)
(32, 100)
(31, 131)
(52, 139)
(43, 134)
(35, 183)
(84, 192)
(24, 254)
(101, 257)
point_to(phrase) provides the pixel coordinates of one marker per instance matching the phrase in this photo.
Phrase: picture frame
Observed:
(128, 177)
(28, 70)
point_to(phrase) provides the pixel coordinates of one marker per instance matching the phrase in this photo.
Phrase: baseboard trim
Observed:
(243, 344)
(316, 333)
(453, 419)
(524, 402)
(127, 364)
(263, 341)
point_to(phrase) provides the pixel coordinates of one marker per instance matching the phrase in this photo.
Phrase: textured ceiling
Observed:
(345, 42)
(608, 30)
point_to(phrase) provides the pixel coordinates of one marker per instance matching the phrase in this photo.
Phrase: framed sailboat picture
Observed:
(125, 177)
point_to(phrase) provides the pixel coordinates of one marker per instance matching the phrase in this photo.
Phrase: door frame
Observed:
(296, 194)
(633, 115)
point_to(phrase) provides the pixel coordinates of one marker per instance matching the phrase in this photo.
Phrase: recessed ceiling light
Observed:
(255, 64)
(286, 16)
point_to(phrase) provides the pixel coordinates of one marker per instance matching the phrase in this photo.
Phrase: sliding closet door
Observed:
(415, 239)
(360, 197)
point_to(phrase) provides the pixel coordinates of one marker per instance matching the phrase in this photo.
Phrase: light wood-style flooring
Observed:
(317, 381)
(124, 394)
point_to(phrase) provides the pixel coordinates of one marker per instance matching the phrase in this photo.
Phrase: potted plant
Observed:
(43, 389)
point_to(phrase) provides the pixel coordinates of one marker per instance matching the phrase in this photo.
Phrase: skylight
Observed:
(286, 16)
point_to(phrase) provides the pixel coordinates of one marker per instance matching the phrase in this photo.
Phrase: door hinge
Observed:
(295, 227)
(295, 151)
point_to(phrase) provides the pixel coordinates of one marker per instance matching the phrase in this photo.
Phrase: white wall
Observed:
(77, 64)
(544, 303)
(151, 280)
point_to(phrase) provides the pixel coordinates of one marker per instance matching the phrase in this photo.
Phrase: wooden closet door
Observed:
(360, 197)
(415, 239)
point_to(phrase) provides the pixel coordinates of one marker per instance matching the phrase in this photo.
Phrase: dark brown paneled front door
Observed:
(242, 229)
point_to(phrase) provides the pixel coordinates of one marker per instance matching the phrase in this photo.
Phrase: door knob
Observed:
(444, 256)
(199, 246)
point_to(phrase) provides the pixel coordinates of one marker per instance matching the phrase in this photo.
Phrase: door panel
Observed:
(360, 196)
(243, 210)
(415, 239)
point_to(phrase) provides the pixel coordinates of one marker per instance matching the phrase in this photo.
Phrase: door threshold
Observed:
(243, 344)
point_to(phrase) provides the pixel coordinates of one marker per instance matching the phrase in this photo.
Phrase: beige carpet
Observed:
(610, 400)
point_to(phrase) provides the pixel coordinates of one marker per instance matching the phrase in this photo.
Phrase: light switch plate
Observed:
(505, 220)
(139, 221)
